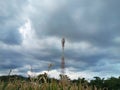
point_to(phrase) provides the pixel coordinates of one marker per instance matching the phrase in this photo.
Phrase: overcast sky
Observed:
(31, 33)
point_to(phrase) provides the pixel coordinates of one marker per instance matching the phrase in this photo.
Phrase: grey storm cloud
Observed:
(10, 36)
(9, 59)
(10, 20)
(91, 26)
(92, 21)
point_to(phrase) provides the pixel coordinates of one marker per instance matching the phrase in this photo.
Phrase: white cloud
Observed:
(71, 74)
(116, 40)
(28, 35)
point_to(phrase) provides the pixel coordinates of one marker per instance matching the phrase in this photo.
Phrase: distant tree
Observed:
(113, 83)
(98, 82)
(12, 77)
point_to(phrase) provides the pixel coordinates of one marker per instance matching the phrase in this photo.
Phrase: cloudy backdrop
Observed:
(31, 33)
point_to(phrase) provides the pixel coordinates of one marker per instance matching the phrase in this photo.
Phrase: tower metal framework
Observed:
(62, 58)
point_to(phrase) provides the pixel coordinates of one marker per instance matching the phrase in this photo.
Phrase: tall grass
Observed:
(15, 84)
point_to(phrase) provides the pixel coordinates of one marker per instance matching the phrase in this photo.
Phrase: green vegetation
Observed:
(42, 82)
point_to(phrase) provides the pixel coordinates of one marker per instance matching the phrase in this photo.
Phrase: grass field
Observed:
(51, 84)
(18, 85)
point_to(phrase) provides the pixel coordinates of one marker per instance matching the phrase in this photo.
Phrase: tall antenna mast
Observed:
(62, 58)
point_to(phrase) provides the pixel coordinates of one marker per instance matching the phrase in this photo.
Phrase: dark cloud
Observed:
(10, 59)
(95, 23)
(11, 37)
(10, 21)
